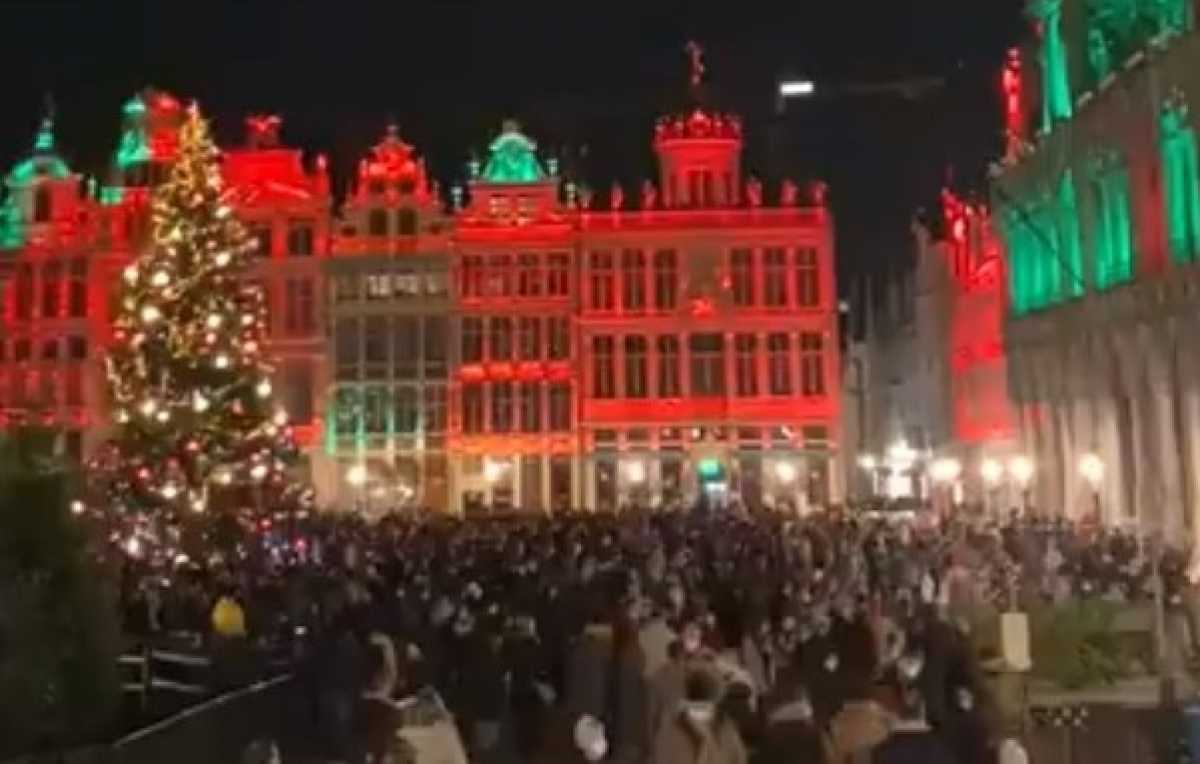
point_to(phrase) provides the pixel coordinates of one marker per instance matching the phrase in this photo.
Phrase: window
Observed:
(24, 302)
(435, 284)
(21, 350)
(603, 371)
(558, 338)
(347, 410)
(812, 365)
(741, 269)
(560, 407)
(558, 275)
(406, 346)
(500, 341)
(775, 278)
(808, 282)
(502, 406)
(472, 340)
(602, 276)
(746, 346)
(499, 276)
(472, 276)
(707, 353)
(406, 283)
(41, 205)
(77, 298)
(379, 286)
(296, 396)
(635, 367)
(434, 346)
(1114, 232)
(531, 407)
(346, 288)
(261, 233)
(73, 386)
(529, 276)
(406, 410)
(529, 340)
(298, 307)
(406, 222)
(779, 364)
(666, 279)
(77, 348)
(633, 280)
(435, 408)
(300, 238)
(51, 289)
(472, 408)
(668, 367)
(346, 341)
(375, 346)
(1181, 184)
(377, 223)
(50, 350)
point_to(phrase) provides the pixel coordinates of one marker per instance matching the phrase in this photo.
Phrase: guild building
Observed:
(1098, 202)
(519, 344)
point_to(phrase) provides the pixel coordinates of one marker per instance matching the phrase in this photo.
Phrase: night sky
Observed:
(585, 79)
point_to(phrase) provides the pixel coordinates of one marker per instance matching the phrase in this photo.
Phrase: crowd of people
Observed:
(684, 638)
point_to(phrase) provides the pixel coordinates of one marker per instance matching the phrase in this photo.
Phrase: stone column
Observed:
(761, 367)
(730, 358)
(685, 367)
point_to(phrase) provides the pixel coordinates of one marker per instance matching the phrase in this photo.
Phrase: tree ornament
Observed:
(160, 279)
(263, 389)
(150, 314)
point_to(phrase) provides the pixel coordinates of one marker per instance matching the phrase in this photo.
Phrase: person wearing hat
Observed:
(698, 732)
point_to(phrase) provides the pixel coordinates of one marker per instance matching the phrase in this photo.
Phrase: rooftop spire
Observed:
(44, 142)
(696, 58)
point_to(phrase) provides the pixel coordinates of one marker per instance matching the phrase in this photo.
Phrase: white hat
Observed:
(1012, 752)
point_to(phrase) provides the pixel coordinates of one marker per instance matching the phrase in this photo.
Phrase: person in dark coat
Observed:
(912, 741)
(790, 735)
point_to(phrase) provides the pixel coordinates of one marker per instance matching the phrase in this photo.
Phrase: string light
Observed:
(200, 404)
(131, 275)
(259, 471)
(213, 321)
(170, 491)
(150, 314)
(221, 361)
(160, 279)
(148, 407)
(222, 259)
(263, 389)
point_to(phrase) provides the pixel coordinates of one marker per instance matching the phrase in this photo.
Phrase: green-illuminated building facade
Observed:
(1098, 203)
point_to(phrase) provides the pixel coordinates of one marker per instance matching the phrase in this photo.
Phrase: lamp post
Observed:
(991, 471)
(786, 474)
(635, 474)
(1091, 467)
(1021, 470)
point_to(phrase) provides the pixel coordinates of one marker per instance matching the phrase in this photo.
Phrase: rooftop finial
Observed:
(44, 142)
(696, 56)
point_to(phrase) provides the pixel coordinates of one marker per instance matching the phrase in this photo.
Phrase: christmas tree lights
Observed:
(190, 389)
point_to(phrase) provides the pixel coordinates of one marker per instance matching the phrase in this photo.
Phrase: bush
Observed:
(1075, 644)
(59, 636)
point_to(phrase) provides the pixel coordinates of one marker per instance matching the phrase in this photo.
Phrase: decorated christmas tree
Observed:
(191, 394)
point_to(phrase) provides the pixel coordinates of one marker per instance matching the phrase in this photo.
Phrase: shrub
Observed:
(1075, 644)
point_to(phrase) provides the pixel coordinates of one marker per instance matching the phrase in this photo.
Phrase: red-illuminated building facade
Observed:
(525, 347)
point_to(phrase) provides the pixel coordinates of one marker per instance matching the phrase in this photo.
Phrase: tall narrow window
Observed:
(435, 409)
(529, 338)
(406, 346)
(299, 307)
(741, 271)
(600, 265)
(666, 279)
(531, 407)
(78, 293)
(500, 341)
(812, 365)
(25, 297)
(1113, 256)
(502, 406)
(407, 412)
(558, 338)
(51, 289)
(472, 408)
(41, 205)
(560, 407)
(775, 281)
(1069, 274)
(633, 280)
(707, 353)
(603, 368)
(472, 276)
(263, 239)
(529, 276)
(635, 367)
(808, 278)
(347, 343)
(779, 363)
(406, 221)
(377, 223)
(668, 367)
(1056, 89)
(436, 333)
(558, 275)
(499, 276)
(746, 346)
(472, 339)
(300, 238)
(1181, 184)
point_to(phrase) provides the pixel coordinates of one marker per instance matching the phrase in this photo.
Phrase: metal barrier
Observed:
(156, 669)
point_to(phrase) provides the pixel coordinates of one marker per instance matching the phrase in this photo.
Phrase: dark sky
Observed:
(576, 74)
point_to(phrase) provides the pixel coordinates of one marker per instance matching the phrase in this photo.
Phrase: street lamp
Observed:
(1091, 467)
(785, 472)
(635, 471)
(869, 464)
(357, 477)
(1021, 469)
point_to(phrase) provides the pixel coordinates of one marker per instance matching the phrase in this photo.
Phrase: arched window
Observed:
(406, 222)
(377, 223)
(41, 205)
